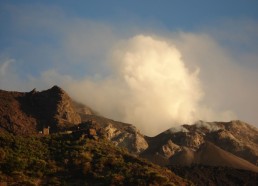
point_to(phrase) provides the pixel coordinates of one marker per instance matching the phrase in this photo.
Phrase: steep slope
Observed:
(239, 138)
(120, 134)
(30, 112)
(12, 118)
(211, 155)
(184, 144)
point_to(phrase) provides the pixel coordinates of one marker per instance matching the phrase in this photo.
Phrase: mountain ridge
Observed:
(36, 110)
(81, 147)
(29, 112)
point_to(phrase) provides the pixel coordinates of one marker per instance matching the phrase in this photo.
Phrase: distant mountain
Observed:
(211, 155)
(231, 144)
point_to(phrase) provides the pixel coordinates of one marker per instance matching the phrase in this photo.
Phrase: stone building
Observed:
(46, 130)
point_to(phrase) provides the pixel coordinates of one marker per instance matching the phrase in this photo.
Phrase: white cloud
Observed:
(228, 82)
(151, 87)
(154, 81)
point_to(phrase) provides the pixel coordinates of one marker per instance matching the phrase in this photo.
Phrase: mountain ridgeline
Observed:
(27, 113)
(187, 150)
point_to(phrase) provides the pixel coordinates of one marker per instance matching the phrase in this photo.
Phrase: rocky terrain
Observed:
(30, 112)
(232, 139)
(188, 149)
(82, 148)
(121, 134)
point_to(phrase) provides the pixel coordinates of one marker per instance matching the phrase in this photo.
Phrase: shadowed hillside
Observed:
(75, 159)
(27, 113)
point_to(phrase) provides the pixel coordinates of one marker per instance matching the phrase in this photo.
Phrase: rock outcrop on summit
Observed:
(30, 112)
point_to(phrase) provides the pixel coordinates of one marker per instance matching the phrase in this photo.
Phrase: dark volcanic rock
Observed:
(26, 113)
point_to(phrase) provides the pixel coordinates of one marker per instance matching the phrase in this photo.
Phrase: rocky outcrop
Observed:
(129, 138)
(239, 138)
(121, 134)
(30, 112)
(58, 106)
(12, 118)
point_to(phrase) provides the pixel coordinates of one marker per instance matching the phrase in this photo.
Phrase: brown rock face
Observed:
(26, 113)
(12, 118)
(180, 147)
(239, 138)
(121, 134)
(63, 111)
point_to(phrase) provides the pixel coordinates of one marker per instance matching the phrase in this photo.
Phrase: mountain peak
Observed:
(35, 110)
(235, 137)
(57, 89)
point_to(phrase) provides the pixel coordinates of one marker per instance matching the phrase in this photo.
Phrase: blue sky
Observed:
(170, 13)
(170, 16)
(73, 44)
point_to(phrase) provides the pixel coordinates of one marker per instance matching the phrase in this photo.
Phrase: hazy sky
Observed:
(156, 64)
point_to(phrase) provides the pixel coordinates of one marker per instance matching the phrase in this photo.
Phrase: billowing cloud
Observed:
(152, 79)
(151, 87)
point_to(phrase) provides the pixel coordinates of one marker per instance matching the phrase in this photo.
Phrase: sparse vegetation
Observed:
(66, 159)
